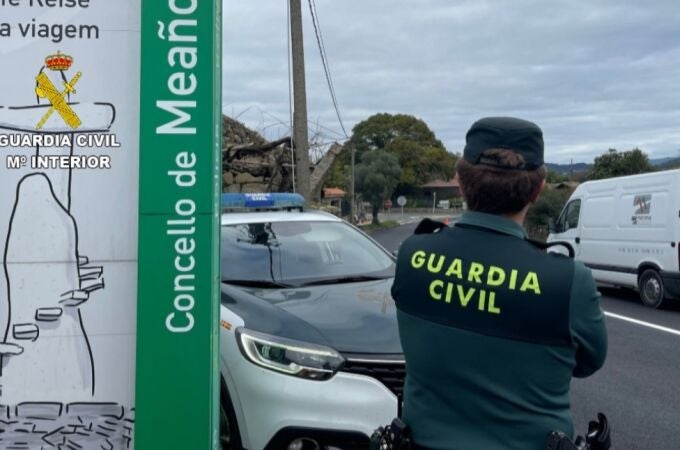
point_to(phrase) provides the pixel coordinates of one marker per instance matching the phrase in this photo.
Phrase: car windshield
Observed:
(283, 254)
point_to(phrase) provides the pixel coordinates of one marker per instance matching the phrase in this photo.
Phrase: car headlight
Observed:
(295, 358)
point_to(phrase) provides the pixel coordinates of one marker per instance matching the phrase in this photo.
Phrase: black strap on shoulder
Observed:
(547, 245)
(538, 244)
(428, 226)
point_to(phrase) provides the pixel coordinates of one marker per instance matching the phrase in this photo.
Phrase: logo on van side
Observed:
(642, 205)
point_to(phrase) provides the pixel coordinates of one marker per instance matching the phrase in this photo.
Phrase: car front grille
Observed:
(390, 372)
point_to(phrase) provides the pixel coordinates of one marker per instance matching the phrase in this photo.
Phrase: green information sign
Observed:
(177, 387)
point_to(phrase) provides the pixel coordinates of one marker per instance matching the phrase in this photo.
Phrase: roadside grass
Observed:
(385, 224)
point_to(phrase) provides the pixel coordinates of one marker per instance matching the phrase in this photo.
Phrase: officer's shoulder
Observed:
(552, 257)
(419, 241)
(560, 261)
(429, 226)
(414, 240)
(559, 255)
(553, 250)
(580, 267)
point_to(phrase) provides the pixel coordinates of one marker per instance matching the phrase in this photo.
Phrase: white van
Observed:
(627, 230)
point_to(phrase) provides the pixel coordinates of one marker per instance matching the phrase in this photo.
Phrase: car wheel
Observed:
(230, 439)
(652, 292)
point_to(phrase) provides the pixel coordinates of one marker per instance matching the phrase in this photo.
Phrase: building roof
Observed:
(333, 192)
(441, 184)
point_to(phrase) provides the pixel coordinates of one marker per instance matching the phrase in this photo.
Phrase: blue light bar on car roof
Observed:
(267, 201)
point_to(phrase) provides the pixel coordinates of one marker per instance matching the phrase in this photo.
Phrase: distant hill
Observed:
(665, 163)
(566, 169)
(662, 161)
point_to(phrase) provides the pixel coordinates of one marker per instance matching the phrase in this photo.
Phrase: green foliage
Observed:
(420, 163)
(555, 177)
(615, 164)
(376, 177)
(340, 175)
(376, 132)
(421, 156)
(548, 206)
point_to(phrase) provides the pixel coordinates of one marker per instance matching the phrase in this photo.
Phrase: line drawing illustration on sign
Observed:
(45, 297)
(44, 344)
(46, 425)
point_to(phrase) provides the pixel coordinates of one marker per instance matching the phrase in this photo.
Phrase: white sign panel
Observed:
(69, 114)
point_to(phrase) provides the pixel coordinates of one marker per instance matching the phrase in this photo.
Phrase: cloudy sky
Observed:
(594, 74)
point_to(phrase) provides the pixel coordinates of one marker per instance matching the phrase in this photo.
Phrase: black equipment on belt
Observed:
(597, 438)
(395, 436)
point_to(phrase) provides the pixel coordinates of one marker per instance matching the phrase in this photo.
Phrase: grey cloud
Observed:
(593, 74)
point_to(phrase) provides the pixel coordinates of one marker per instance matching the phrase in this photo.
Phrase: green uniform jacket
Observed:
(493, 329)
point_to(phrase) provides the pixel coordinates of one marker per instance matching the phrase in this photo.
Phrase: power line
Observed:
(324, 58)
(286, 125)
(324, 61)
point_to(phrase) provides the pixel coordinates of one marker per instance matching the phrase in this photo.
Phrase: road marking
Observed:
(643, 323)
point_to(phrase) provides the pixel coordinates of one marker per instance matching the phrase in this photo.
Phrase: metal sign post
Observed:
(388, 206)
(180, 184)
(401, 201)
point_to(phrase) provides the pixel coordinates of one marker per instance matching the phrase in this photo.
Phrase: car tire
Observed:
(230, 438)
(652, 292)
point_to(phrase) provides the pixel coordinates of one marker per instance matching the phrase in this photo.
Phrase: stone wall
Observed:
(247, 169)
(235, 133)
(251, 164)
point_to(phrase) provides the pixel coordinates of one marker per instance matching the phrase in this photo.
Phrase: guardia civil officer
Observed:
(493, 328)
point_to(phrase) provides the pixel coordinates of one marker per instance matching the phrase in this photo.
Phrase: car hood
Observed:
(350, 317)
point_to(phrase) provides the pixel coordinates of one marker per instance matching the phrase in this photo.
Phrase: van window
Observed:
(569, 217)
(573, 211)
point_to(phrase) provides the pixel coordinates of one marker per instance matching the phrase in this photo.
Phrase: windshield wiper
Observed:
(257, 283)
(346, 279)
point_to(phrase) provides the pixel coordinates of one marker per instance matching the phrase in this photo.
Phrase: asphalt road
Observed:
(638, 387)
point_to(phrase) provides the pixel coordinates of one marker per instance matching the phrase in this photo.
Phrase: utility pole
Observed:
(300, 138)
(353, 199)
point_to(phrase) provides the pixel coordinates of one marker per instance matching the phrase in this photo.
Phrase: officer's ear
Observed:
(536, 194)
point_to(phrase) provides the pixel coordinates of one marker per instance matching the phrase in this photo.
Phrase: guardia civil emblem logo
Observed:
(46, 89)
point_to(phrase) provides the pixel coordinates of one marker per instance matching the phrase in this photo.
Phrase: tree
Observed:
(615, 164)
(420, 163)
(376, 177)
(554, 177)
(548, 206)
(376, 132)
(421, 156)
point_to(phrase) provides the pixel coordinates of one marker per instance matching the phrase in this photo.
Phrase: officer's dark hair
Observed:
(499, 189)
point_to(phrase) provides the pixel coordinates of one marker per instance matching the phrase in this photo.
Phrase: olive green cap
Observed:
(520, 136)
